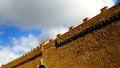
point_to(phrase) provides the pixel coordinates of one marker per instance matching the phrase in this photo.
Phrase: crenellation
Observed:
(28, 53)
(58, 35)
(105, 9)
(38, 48)
(25, 58)
(51, 44)
(51, 40)
(85, 20)
(71, 28)
(86, 31)
(45, 42)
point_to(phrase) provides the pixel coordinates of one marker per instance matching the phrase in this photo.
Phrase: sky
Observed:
(24, 24)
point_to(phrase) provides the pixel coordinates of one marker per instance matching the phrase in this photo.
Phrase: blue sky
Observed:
(25, 24)
(118, 1)
(13, 31)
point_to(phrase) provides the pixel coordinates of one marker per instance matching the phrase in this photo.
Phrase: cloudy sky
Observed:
(24, 24)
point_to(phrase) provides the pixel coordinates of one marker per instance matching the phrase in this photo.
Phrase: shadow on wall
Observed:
(42, 66)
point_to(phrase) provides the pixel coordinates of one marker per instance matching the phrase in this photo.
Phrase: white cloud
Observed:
(20, 46)
(49, 13)
(51, 33)
(24, 44)
(6, 55)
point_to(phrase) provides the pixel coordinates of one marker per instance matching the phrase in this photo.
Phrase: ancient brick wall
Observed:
(93, 44)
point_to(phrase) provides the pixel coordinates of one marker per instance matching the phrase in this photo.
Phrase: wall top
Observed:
(104, 9)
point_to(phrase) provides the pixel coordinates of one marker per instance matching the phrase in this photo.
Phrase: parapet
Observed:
(25, 58)
(71, 28)
(48, 45)
(85, 20)
(45, 42)
(58, 35)
(104, 18)
(36, 52)
(104, 9)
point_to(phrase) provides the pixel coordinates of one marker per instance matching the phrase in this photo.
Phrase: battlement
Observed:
(106, 17)
(50, 43)
(26, 57)
(104, 9)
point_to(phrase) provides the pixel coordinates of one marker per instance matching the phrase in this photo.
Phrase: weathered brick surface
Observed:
(93, 44)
